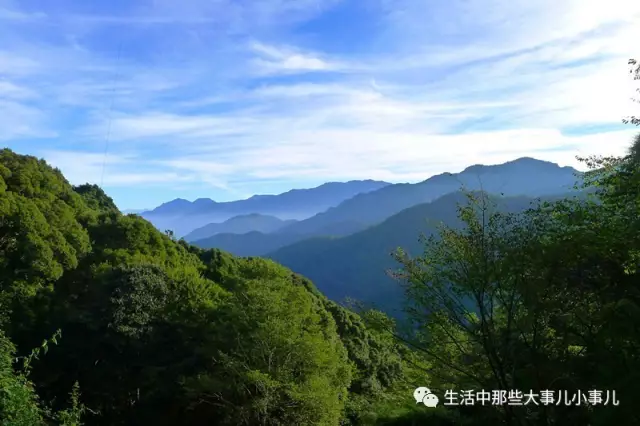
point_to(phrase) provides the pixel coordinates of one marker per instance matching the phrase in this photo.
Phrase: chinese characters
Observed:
(544, 397)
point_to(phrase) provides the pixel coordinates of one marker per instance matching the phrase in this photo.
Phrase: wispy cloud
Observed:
(286, 60)
(229, 97)
(9, 90)
(19, 121)
(112, 170)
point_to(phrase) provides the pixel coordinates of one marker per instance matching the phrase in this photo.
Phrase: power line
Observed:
(109, 114)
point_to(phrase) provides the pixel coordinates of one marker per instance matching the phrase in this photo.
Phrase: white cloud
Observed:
(502, 25)
(409, 156)
(11, 64)
(438, 86)
(371, 152)
(178, 128)
(19, 121)
(111, 170)
(284, 91)
(9, 12)
(9, 90)
(223, 16)
(287, 60)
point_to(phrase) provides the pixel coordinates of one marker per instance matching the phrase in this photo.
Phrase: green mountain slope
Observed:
(155, 331)
(104, 320)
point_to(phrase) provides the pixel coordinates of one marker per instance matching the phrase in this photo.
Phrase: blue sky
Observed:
(158, 99)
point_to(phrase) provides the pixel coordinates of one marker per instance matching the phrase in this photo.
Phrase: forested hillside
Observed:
(141, 329)
(319, 213)
(136, 328)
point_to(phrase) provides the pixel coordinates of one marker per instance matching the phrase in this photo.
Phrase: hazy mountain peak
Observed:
(251, 216)
(528, 162)
(177, 203)
(355, 182)
(240, 224)
(327, 185)
(183, 216)
(342, 207)
(204, 201)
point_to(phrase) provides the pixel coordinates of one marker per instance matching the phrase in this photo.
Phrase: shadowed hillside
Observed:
(356, 266)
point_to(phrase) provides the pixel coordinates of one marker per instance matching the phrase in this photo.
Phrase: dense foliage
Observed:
(104, 320)
(139, 328)
(155, 331)
(545, 300)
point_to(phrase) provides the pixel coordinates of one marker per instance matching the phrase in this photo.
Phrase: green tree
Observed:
(540, 300)
(40, 236)
(159, 332)
(277, 360)
(635, 73)
(96, 199)
(131, 333)
(19, 404)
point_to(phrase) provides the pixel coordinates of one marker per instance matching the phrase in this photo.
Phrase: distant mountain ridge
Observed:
(522, 177)
(239, 225)
(249, 244)
(134, 211)
(183, 216)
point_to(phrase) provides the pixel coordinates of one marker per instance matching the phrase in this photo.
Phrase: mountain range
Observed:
(523, 177)
(134, 211)
(356, 266)
(346, 248)
(239, 225)
(183, 216)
